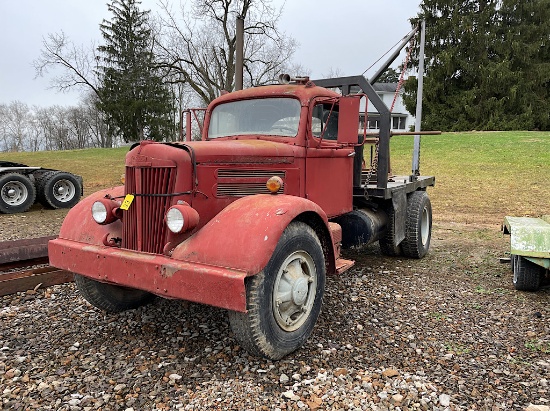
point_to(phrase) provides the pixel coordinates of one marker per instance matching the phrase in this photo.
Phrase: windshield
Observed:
(267, 116)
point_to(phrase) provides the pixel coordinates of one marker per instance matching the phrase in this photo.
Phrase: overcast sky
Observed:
(348, 35)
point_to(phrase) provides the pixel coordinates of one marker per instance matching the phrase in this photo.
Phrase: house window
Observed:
(398, 123)
(374, 125)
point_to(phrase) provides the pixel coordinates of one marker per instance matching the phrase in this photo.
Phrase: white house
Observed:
(401, 119)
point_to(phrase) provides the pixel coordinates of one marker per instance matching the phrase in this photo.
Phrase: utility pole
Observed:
(239, 53)
(417, 125)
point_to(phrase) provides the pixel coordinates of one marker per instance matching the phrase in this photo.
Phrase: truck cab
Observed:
(250, 219)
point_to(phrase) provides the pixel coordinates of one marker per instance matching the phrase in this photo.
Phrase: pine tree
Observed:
(132, 94)
(458, 37)
(524, 31)
(389, 76)
(487, 65)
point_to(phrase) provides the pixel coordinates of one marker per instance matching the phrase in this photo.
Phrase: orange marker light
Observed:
(274, 184)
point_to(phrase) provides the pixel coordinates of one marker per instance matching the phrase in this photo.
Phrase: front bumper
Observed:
(217, 286)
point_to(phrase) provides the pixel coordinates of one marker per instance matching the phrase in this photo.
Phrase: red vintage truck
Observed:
(252, 218)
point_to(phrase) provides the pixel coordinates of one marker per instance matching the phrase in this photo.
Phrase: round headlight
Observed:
(99, 212)
(175, 220)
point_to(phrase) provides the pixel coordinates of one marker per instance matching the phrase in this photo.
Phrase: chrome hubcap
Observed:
(63, 191)
(425, 226)
(294, 291)
(14, 193)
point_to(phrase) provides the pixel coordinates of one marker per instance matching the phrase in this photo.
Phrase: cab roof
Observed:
(303, 92)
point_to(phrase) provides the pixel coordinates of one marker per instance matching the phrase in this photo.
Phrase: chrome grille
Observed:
(143, 227)
(239, 183)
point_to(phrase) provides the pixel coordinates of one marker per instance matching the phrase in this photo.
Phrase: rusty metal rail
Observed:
(28, 254)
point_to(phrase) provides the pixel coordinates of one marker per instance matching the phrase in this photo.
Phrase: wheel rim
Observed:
(63, 191)
(515, 270)
(425, 226)
(14, 193)
(294, 291)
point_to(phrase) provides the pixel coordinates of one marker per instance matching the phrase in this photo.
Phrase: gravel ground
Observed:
(448, 332)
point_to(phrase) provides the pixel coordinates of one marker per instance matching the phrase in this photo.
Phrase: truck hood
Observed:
(244, 151)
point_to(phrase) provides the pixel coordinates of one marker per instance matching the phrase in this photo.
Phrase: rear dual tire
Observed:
(17, 193)
(58, 189)
(54, 189)
(387, 243)
(418, 228)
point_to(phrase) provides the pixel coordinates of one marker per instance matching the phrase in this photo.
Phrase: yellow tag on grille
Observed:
(127, 202)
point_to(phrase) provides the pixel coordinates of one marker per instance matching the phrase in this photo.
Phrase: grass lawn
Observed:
(480, 176)
(99, 167)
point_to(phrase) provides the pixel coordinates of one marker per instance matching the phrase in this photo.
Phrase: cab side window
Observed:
(324, 121)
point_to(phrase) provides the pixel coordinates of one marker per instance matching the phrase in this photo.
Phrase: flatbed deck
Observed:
(395, 183)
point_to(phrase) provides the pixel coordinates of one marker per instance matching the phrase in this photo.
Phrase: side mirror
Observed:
(348, 120)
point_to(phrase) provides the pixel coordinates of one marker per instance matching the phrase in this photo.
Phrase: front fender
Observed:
(244, 235)
(80, 226)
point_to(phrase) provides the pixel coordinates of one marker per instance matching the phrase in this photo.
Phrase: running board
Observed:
(343, 265)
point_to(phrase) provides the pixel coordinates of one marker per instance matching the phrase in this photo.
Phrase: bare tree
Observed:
(15, 126)
(54, 123)
(198, 47)
(95, 120)
(3, 127)
(79, 131)
(35, 134)
(333, 72)
(59, 129)
(45, 124)
(52, 128)
(77, 63)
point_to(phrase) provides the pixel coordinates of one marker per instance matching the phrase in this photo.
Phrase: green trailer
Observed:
(529, 250)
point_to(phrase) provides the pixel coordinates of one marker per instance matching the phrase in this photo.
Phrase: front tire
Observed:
(527, 275)
(284, 300)
(418, 226)
(109, 297)
(17, 193)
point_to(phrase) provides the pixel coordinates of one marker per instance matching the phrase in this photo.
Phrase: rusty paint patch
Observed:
(134, 255)
(191, 256)
(91, 248)
(251, 160)
(168, 271)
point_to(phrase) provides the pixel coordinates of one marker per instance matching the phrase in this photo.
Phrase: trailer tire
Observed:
(58, 189)
(513, 258)
(283, 300)
(17, 193)
(527, 275)
(418, 226)
(109, 297)
(387, 243)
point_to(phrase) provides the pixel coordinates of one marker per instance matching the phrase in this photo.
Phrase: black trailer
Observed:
(22, 185)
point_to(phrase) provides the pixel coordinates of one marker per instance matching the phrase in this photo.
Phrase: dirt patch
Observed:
(36, 222)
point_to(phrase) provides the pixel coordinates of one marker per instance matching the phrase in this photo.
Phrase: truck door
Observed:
(329, 165)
